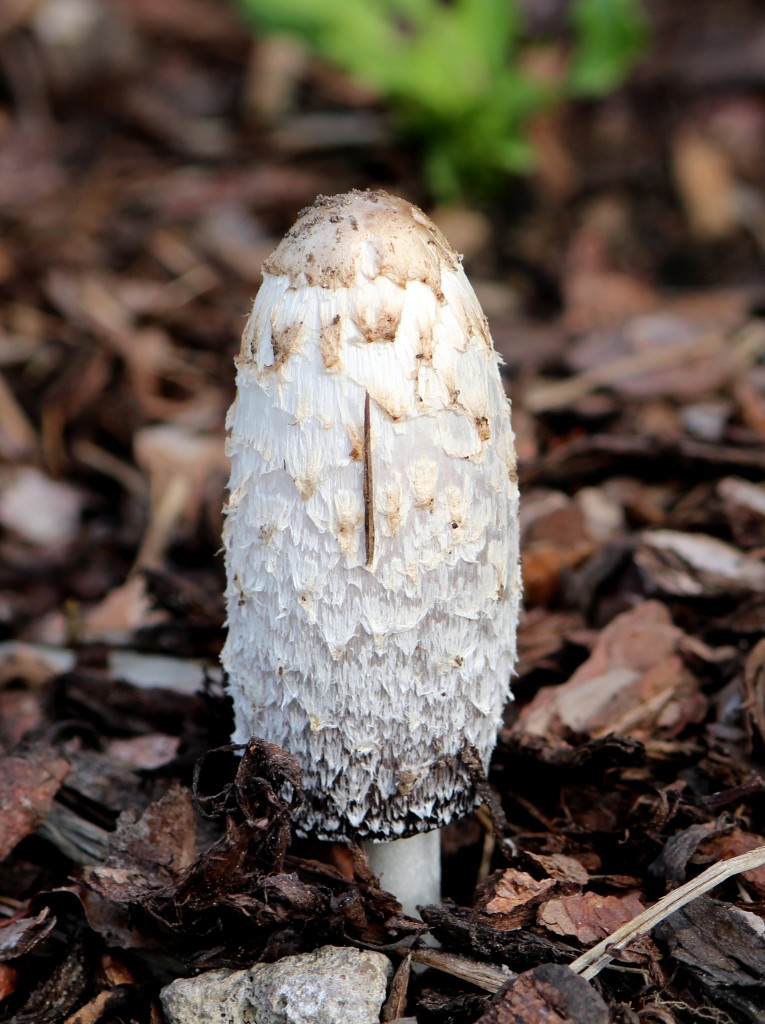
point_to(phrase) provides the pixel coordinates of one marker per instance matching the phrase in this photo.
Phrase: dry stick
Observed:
(395, 1004)
(485, 976)
(369, 493)
(594, 960)
(746, 345)
(19, 437)
(490, 801)
(166, 510)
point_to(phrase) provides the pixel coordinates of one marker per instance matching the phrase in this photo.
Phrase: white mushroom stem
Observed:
(409, 868)
(372, 528)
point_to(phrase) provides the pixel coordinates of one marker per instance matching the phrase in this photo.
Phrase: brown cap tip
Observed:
(370, 233)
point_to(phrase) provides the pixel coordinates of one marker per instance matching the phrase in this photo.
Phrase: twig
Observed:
(490, 800)
(369, 494)
(485, 976)
(18, 434)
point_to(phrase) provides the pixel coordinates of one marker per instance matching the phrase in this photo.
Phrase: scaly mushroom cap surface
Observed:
(371, 532)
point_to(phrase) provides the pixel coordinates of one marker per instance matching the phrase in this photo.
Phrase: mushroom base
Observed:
(409, 868)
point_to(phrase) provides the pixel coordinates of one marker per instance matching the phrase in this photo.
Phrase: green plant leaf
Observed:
(449, 70)
(611, 35)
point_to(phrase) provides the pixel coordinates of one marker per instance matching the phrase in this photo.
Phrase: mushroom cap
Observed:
(372, 531)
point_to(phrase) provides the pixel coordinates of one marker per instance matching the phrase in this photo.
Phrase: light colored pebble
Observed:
(332, 985)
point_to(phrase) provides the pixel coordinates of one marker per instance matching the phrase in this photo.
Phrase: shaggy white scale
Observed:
(372, 528)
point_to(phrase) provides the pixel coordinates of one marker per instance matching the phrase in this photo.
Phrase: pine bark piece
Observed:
(509, 899)
(371, 535)
(549, 994)
(31, 780)
(590, 916)
(722, 947)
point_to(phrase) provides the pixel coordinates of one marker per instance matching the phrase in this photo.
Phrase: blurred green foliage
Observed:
(452, 74)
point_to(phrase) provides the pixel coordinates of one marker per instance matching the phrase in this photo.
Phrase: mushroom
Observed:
(371, 532)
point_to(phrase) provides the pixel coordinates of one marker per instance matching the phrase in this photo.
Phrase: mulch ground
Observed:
(146, 170)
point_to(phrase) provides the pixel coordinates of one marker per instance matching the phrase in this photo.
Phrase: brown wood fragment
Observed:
(395, 1005)
(485, 976)
(8, 979)
(508, 899)
(754, 693)
(519, 950)
(591, 962)
(92, 1011)
(31, 779)
(721, 946)
(18, 439)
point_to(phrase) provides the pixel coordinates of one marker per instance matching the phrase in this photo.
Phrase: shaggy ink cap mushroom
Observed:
(371, 533)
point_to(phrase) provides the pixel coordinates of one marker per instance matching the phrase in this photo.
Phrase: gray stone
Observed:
(333, 985)
(217, 997)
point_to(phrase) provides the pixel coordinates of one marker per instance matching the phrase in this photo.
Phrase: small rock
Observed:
(332, 985)
(218, 997)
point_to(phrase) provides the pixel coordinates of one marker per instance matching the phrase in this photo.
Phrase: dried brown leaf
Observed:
(114, 618)
(743, 504)
(147, 853)
(58, 994)
(542, 570)
(38, 509)
(146, 752)
(706, 182)
(605, 298)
